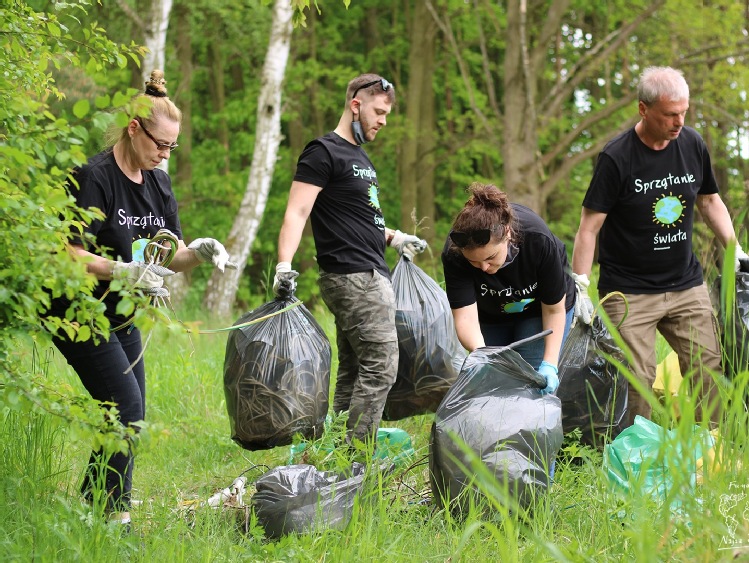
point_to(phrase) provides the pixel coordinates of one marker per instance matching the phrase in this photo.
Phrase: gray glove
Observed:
(741, 261)
(139, 275)
(583, 305)
(407, 245)
(211, 250)
(284, 283)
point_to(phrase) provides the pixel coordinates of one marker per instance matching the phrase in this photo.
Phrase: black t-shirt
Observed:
(538, 274)
(134, 213)
(645, 244)
(347, 221)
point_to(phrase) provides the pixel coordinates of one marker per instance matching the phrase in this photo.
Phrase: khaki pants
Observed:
(686, 321)
(363, 305)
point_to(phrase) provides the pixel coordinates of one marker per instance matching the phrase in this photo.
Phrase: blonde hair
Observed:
(155, 97)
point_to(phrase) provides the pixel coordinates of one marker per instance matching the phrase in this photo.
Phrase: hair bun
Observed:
(156, 85)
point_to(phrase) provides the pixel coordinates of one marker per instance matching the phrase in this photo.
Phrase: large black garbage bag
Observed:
(733, 317)
(592, 389)
(301, 498)
(277, 376)
(430, 355)
(496, 409)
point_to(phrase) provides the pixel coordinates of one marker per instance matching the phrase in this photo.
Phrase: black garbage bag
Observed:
(277, 376)
(592, 389)
(496, 409)
(430, 355)
(733, 318)
(301, 498)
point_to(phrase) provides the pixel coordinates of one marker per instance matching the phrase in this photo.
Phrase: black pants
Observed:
(104, 369)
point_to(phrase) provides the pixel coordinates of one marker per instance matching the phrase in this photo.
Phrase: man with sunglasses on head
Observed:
(506, 277)
(336, 186)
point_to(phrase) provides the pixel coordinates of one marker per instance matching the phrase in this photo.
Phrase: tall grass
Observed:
(185, 454)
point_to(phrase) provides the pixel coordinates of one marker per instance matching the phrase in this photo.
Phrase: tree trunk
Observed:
(222, 288)
(218, 92)
(416, 169)
(521, 143)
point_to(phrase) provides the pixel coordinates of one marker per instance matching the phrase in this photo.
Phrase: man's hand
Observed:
(284, 283)
(407, 245)
(583, 305)
(550, 373)
(139, 275)
(211, 250)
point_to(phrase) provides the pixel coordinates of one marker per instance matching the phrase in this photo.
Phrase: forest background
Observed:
(519, 94)
(522, 94)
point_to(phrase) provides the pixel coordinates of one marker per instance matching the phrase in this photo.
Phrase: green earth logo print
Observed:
(668, 210)
(374, 199)
(518, 306)
(139, 248)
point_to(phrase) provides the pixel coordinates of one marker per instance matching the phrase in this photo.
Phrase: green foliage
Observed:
(38, 148)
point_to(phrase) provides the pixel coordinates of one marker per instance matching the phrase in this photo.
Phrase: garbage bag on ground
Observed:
(592, 390)
(276, 376)
(496, 409)
(430, 355)
(648, 459)
(300, 498)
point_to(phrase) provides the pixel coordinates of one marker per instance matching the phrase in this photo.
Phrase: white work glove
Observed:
(583, 305)
(211, 250)
(741, 260)
(139, 275)
(407, 245)
(284, 284)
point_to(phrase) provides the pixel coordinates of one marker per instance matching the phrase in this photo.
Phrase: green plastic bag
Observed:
(648, 459)
(392, 443)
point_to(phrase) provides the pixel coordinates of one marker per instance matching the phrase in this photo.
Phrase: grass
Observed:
(186, 454)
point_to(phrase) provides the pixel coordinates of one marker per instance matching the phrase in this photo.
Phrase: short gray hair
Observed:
(658, 82)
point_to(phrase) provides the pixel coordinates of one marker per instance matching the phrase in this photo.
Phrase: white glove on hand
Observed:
(211, 250)
(407, 245)
(284, 284)
(140, 275)
(741, 260)
(583, 305)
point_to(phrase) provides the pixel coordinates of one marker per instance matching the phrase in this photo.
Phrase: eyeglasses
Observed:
(479, 237)
(384, 84)
(159, 145)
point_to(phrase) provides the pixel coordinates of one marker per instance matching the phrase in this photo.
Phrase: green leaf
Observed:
(81, 108)
(102, 101)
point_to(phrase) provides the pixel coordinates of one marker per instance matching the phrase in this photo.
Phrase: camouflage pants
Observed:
(363, 305)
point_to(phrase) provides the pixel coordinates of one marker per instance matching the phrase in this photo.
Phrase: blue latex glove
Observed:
(549, 372)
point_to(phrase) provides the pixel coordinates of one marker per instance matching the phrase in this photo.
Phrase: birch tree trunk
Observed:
(155, 28)
(155, 36)
(222, 288)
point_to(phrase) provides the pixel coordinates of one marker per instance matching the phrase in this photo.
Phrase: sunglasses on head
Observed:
(381, 81)
(479, 237)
